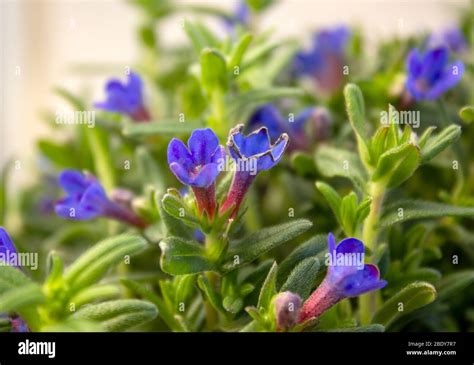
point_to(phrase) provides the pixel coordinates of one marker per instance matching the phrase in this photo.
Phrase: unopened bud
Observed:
(287, 308)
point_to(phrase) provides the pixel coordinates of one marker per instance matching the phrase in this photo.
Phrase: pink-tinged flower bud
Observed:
(287, 308)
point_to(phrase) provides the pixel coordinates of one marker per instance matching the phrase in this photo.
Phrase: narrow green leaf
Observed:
(148, 169)
(249, 248)
(17, 298)
(213, 70)
(332, 162)
(94, 293)
(96, 261)
(11, 277)
(396, 165)
(210, 294)
(163, 311)
(332, 197)
(177, 209)
(406, 210)
(172, 127)
(239, 50)
(438, 143)
(303, 277)
(268, 288)
(181, 257)
(315, 246)
(118, 315)
(413, 296)
(454, 283)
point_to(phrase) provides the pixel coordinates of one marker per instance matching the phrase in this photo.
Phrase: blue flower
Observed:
(126, 98)
(430, 74)
(7, 248)
(347, 276)
(240, 16)
(252, 153)
(325, 59)
(198, 166)
(452, 38)
(317, 120)
(86, 199)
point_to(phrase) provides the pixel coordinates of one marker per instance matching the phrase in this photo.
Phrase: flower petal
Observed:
(74, 182)
(202, 144)
(362, 281)
(178, 153)
(6, 243)
(207, 175)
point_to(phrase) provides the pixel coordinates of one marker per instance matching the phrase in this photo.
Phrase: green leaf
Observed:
(118, 315)
(368, 328)
(396, 165)
(211, 295)
(454, 283)
(184, 287)
(95, 293)
(148, 169)
(96, 261)
(268, 288)
(438, 143)
(200, 36)
(214, 73)
(249, 248)
(239, 50)
(171, 127)
(406, 210)
(163, 311)
(315, 246)
(233, 304)
(17, 298)
(303, 277)
(172, 226)
(59, 154)
(413, 296)
(177, 209)
(303, 164)
(332, 162)
(11, 277)
(355, 108)
(181, 257)
(467, 114)
(332, 197)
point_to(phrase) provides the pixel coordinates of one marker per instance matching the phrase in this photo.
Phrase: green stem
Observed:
(369, 230)
(102, 158)
(218, 120)
(368, 302)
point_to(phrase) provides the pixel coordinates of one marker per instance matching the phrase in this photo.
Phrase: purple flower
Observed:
(324, 61)
(430, 74)
(252, 153)
(317, 120)
(287, 308)
(451, 38)
(7, 248)
(197, 165)
(347, 276)
(240, 16)
(126, 98)
(86, 199)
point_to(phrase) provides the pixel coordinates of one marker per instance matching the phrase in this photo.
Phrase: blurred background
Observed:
(45, 42)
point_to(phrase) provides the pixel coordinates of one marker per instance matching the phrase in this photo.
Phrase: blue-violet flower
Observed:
(197, 166)
(255, 148)
(86, 199)
(325, 60)
(126, 98)
(430, 74)
(345, 278)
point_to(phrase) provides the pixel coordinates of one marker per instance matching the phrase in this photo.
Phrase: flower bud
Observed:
(287, 308)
